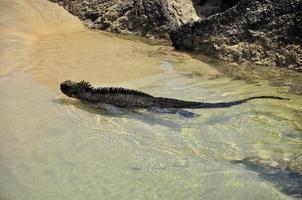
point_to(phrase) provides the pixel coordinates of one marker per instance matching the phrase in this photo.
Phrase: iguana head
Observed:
(70, 88)
(74, 89)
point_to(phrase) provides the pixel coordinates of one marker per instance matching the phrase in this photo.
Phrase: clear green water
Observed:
(52, 147)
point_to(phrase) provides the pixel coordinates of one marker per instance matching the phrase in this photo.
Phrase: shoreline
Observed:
(240, 31)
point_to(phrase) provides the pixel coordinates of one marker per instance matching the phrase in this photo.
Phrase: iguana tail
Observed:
(234, 103)
(174, 103)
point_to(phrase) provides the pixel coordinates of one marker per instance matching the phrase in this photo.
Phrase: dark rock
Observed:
(286, 175)
(263, 32)
(139, 17)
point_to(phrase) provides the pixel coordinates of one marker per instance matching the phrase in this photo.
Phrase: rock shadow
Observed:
(285, 175)
(206, 8)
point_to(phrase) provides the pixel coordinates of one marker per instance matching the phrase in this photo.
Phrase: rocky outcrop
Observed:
(150, 18)
(262, 32)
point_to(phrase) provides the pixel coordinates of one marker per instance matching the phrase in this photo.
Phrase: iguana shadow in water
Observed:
(113, 111)
(133, 99)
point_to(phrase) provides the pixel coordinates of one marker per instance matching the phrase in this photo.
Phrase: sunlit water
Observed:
(52, 147)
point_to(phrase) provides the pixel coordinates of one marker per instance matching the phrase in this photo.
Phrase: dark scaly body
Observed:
(125, 98)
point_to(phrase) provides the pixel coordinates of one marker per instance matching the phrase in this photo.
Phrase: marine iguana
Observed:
(127, 98)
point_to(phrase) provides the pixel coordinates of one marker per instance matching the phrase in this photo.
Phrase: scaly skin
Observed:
(125, 98)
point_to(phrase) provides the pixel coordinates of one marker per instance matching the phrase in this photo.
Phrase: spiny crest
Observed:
(85, 85)
(119, 90)
(111, 90)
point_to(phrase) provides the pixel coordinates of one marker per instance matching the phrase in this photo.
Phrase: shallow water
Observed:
(52, 147)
